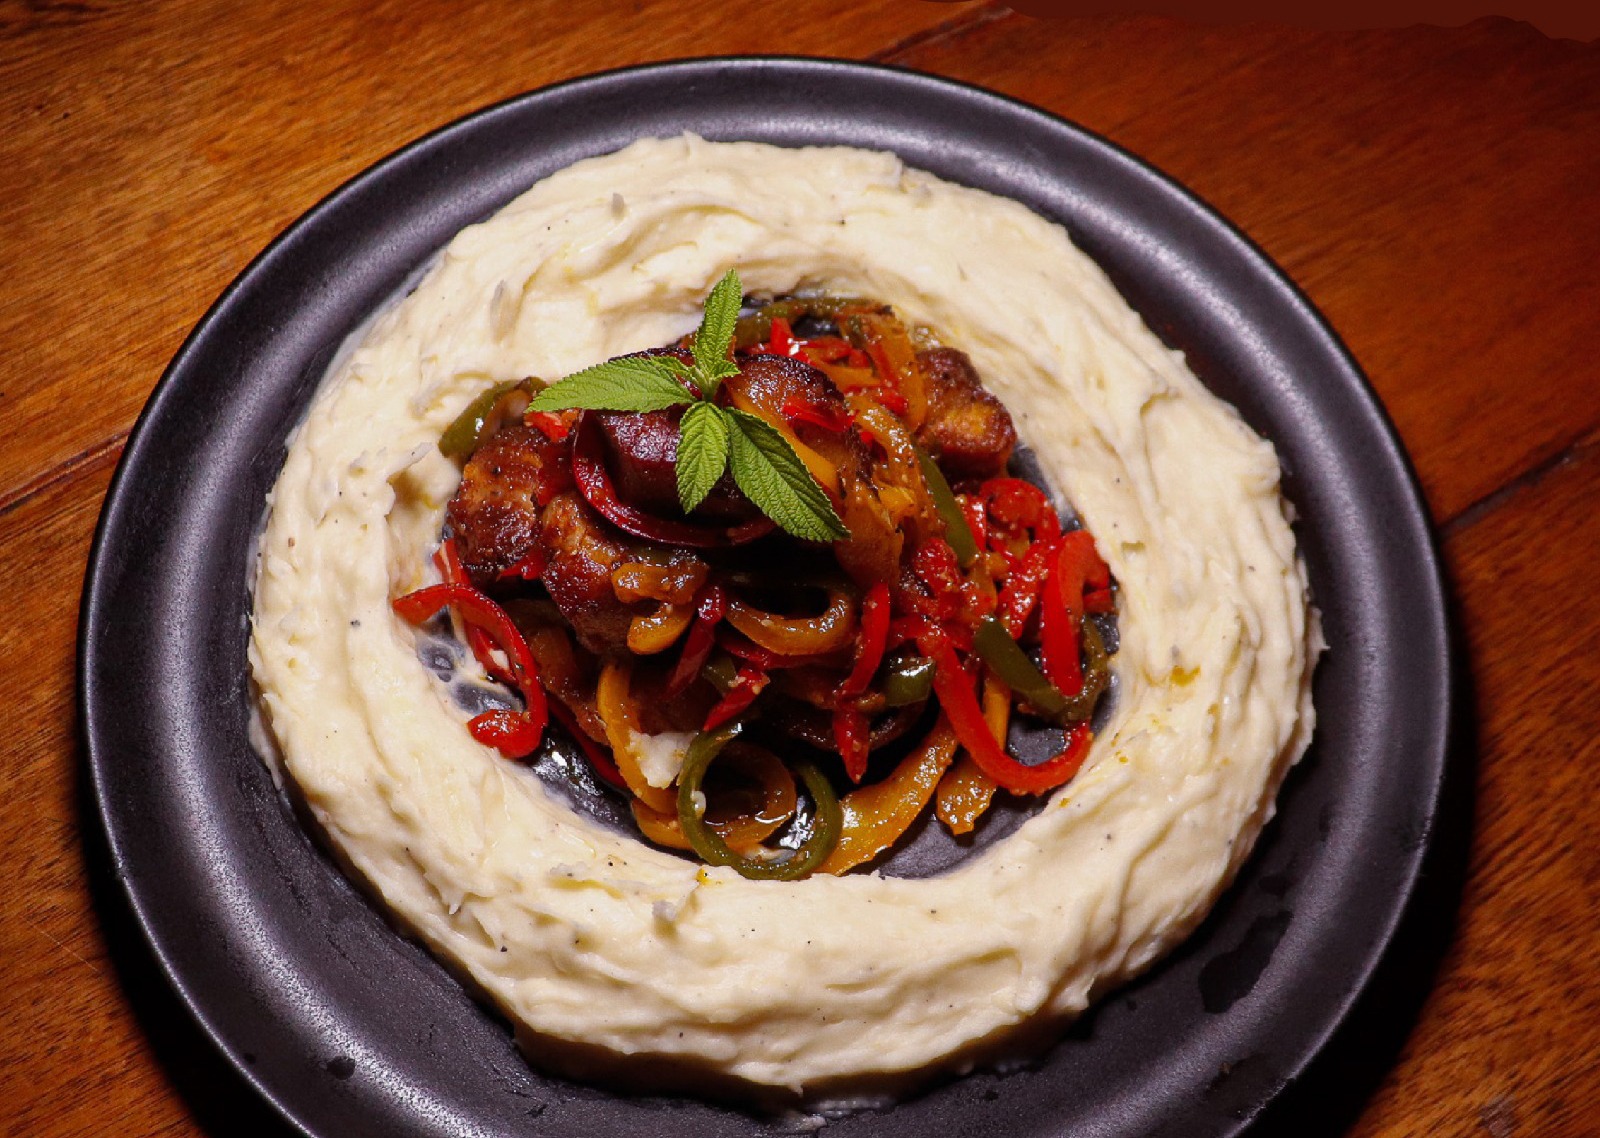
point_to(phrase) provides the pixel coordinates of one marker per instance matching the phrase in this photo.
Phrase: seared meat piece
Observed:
(967, 429)
(495, 513)
(768, 382)
(642, 453)
(581, 549)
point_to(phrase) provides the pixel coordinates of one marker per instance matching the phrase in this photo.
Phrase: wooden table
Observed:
(1435, 192)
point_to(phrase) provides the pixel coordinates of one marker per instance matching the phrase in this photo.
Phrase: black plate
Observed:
(348, 1029)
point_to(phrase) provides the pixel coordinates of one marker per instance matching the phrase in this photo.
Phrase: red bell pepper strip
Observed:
(908, 627)
(1023, 585)
(697, 645)
(781, 341)
(870, 644)
(742, 647)
(935, 563)
(958, 699)
(553, 426)
(599, 758)
(828, 418)
(447, 559)
(512, 733)
(594, 483)
(478, 611)
(851, 733)
(955, 600)
(823, 349)
(1076, 564)
(1019, 504)
(749, 683)
(1062, 767)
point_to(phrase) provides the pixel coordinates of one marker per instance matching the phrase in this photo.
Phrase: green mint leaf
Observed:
(702, 452)
(772, 476)
(682, 372)
(722, 370)
(715, 335)
(635, 383)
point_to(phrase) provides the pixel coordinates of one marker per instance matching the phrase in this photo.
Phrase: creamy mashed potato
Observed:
(600, 946)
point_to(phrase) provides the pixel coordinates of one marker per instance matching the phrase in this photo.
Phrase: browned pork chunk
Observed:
(495, 513)
(581, 549)
(967, 429)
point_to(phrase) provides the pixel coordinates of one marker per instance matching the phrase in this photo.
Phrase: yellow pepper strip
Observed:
(675, 581)
(848, 378)
(876, 815)
(996, 704)
(901, 353)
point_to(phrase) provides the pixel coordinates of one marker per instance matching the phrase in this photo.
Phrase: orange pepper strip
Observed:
(875, 816)
(964, 794)
(614, 700)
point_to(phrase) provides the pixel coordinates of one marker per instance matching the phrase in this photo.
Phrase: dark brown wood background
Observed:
(1435, 191)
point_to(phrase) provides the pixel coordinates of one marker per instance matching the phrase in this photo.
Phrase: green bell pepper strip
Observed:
(1096, 675)
(957, 532)
(907, 679)
(709, 844)
(460, 438)
(1009, 662)
(1024, 678)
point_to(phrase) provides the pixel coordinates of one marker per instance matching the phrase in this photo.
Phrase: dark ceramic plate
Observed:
(348, 1029)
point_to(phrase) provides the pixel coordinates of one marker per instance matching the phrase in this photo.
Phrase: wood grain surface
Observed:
(1436, 192)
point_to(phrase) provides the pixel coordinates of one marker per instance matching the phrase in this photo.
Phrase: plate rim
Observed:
(1420, 529)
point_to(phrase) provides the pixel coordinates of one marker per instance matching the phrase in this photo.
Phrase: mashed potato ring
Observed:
(604, 949)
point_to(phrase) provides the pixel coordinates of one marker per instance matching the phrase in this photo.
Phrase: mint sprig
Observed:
(633, 383)
(712, 439)
(702, 452)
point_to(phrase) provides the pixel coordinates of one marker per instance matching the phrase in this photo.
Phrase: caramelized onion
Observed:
(658, 631)
(672, 580)
(798, 635)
